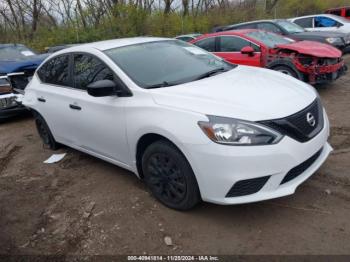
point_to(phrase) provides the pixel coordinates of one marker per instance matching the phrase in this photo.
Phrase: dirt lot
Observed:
(83, 205)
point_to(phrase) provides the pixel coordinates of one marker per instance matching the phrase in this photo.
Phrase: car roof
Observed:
(251, 22)
(240, 32)
(326, 15)
(189, 35)
(114, 43)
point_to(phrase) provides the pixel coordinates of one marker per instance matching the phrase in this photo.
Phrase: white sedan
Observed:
(323, 22)
(191, 125)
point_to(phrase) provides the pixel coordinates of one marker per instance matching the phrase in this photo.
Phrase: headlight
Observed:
(334, 40)
(230, 131)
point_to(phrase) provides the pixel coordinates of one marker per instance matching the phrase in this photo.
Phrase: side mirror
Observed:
(102, 88)
(247, 50)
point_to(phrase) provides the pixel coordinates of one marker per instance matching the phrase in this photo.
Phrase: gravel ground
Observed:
(83, 205)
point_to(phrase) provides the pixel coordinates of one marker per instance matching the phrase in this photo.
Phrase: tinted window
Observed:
(347, 12)
(88, 69)
(55, 71)
(207, 44)
(246, 26)
(304, 22)
(335, 12)
(322, 21)
(235, 44)
(269, 27)
(185, 38)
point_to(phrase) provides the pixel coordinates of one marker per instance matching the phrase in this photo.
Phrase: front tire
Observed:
(169, 176)
(287, 71)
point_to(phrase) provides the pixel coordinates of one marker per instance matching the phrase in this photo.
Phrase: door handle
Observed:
(41, 99)
(75, 107)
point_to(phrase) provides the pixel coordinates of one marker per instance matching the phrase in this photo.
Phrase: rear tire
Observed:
(169, 176)
(44, 132)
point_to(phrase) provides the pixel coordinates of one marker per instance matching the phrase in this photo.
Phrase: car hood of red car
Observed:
(313, 48)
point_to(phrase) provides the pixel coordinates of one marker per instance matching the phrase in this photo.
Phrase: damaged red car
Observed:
(311, 62)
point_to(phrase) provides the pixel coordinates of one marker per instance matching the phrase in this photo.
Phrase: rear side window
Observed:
(304, 22)
(235, 44)
(207, 44)
(185, 38)
(56, 71)
(88, 69)
(247, 26)
(269, 27)
(322, 21)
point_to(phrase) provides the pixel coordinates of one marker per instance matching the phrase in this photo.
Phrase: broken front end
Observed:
(318, 70)
(11, 92)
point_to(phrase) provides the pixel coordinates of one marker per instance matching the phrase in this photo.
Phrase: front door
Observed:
(101, 123)
(229, 48)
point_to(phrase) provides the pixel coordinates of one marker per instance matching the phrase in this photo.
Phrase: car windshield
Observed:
(166, 63)
(290, 27)
(269, 39)
(15, 52)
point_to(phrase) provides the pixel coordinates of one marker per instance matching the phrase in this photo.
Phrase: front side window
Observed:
(235, 44)
(88, 69)
(269, 39)
(322, 21)
(207, 44)
(166, 63)
(269, 27)
(55, 71)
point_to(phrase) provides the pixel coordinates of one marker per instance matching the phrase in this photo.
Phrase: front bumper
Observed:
(219, 167)
(13, 109)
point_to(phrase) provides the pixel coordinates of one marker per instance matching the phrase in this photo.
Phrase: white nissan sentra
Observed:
(192, 126)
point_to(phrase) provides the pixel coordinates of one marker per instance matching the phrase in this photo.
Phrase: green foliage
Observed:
(128, 20)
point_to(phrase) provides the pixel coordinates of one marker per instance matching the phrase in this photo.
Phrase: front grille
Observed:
(298, 170)
(297, 126)
(247, 187)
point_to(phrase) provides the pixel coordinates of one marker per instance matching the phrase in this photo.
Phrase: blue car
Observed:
(17, 65)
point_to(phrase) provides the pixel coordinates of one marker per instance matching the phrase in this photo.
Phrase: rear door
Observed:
(229, 48)
(55, 90)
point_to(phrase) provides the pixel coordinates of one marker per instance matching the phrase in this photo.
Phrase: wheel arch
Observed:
(285, 62)
(143, 142)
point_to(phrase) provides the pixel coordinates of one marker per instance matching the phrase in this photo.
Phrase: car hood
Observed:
(319, 34)
(11, 66)
(245, 93)
(313, 49)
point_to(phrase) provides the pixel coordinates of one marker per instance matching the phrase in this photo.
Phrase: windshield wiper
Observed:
(212, 72)
(163, 84)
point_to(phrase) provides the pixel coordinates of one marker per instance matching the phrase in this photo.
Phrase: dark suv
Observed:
(291, 30)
